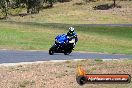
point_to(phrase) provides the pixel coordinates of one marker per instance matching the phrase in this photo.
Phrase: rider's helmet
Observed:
(71, 30)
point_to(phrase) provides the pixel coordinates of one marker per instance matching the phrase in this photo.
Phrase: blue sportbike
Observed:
(63, 44)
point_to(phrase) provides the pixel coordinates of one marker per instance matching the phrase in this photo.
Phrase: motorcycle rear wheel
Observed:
(67, 53)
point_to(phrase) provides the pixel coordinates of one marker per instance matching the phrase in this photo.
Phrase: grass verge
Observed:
(40, 36)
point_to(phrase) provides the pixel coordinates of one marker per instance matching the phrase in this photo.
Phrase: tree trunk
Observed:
(114, 3)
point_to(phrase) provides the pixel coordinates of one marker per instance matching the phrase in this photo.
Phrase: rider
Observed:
(72, 34)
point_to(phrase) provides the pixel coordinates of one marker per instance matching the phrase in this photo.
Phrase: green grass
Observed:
(40, 36)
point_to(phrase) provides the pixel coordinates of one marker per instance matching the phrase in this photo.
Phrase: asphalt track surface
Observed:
(108, 25)
(13, 56)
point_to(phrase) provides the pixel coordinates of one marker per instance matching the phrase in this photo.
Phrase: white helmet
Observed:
(71, 29)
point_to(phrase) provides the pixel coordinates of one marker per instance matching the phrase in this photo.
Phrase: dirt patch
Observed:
(61, 74)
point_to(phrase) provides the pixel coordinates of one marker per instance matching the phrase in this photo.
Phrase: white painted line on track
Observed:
(38, 62)
(23, 63)
(3, 49)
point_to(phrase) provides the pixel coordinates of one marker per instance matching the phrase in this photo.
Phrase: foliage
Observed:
(3, 7)
(32, 6)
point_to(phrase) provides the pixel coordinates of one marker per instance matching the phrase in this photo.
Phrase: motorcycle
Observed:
(63, 44)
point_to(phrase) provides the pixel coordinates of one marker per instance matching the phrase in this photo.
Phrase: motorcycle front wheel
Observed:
(51, 50)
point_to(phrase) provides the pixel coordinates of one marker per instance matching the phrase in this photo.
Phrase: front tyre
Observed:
(51, 52)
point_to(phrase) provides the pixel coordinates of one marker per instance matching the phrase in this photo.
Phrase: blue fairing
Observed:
(62, 38)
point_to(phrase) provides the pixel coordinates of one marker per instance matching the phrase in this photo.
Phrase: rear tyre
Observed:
(67, 53)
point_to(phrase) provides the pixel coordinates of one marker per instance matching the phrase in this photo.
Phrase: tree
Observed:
(4, 7)
(50, 3)
(33, 6)
(114, 3)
